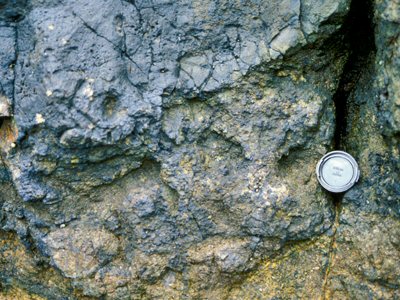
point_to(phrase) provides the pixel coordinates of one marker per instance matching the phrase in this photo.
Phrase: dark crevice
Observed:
(4, 122)
(337, 198)
(13, 11)
(359, 40)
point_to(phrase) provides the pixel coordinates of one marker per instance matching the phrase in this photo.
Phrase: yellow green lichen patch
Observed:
(370, 244)
(20, 294)
(297, 273)
(20, 264)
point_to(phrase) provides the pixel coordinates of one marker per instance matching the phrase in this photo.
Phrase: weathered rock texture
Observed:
(166, 149)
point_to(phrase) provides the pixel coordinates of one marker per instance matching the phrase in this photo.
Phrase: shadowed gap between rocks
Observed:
(358, 32)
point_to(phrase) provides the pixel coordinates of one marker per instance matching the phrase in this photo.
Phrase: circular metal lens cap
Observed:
(337, 171)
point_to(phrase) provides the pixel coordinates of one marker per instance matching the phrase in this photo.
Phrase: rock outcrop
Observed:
(167, 149)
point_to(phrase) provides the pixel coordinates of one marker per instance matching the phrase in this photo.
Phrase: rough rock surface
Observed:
(166, 149)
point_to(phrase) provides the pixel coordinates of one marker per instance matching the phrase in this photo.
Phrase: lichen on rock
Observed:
(167, 149)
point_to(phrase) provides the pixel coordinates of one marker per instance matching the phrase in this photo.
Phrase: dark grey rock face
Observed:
(7, 60)
(105, 77)
(167, 149)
